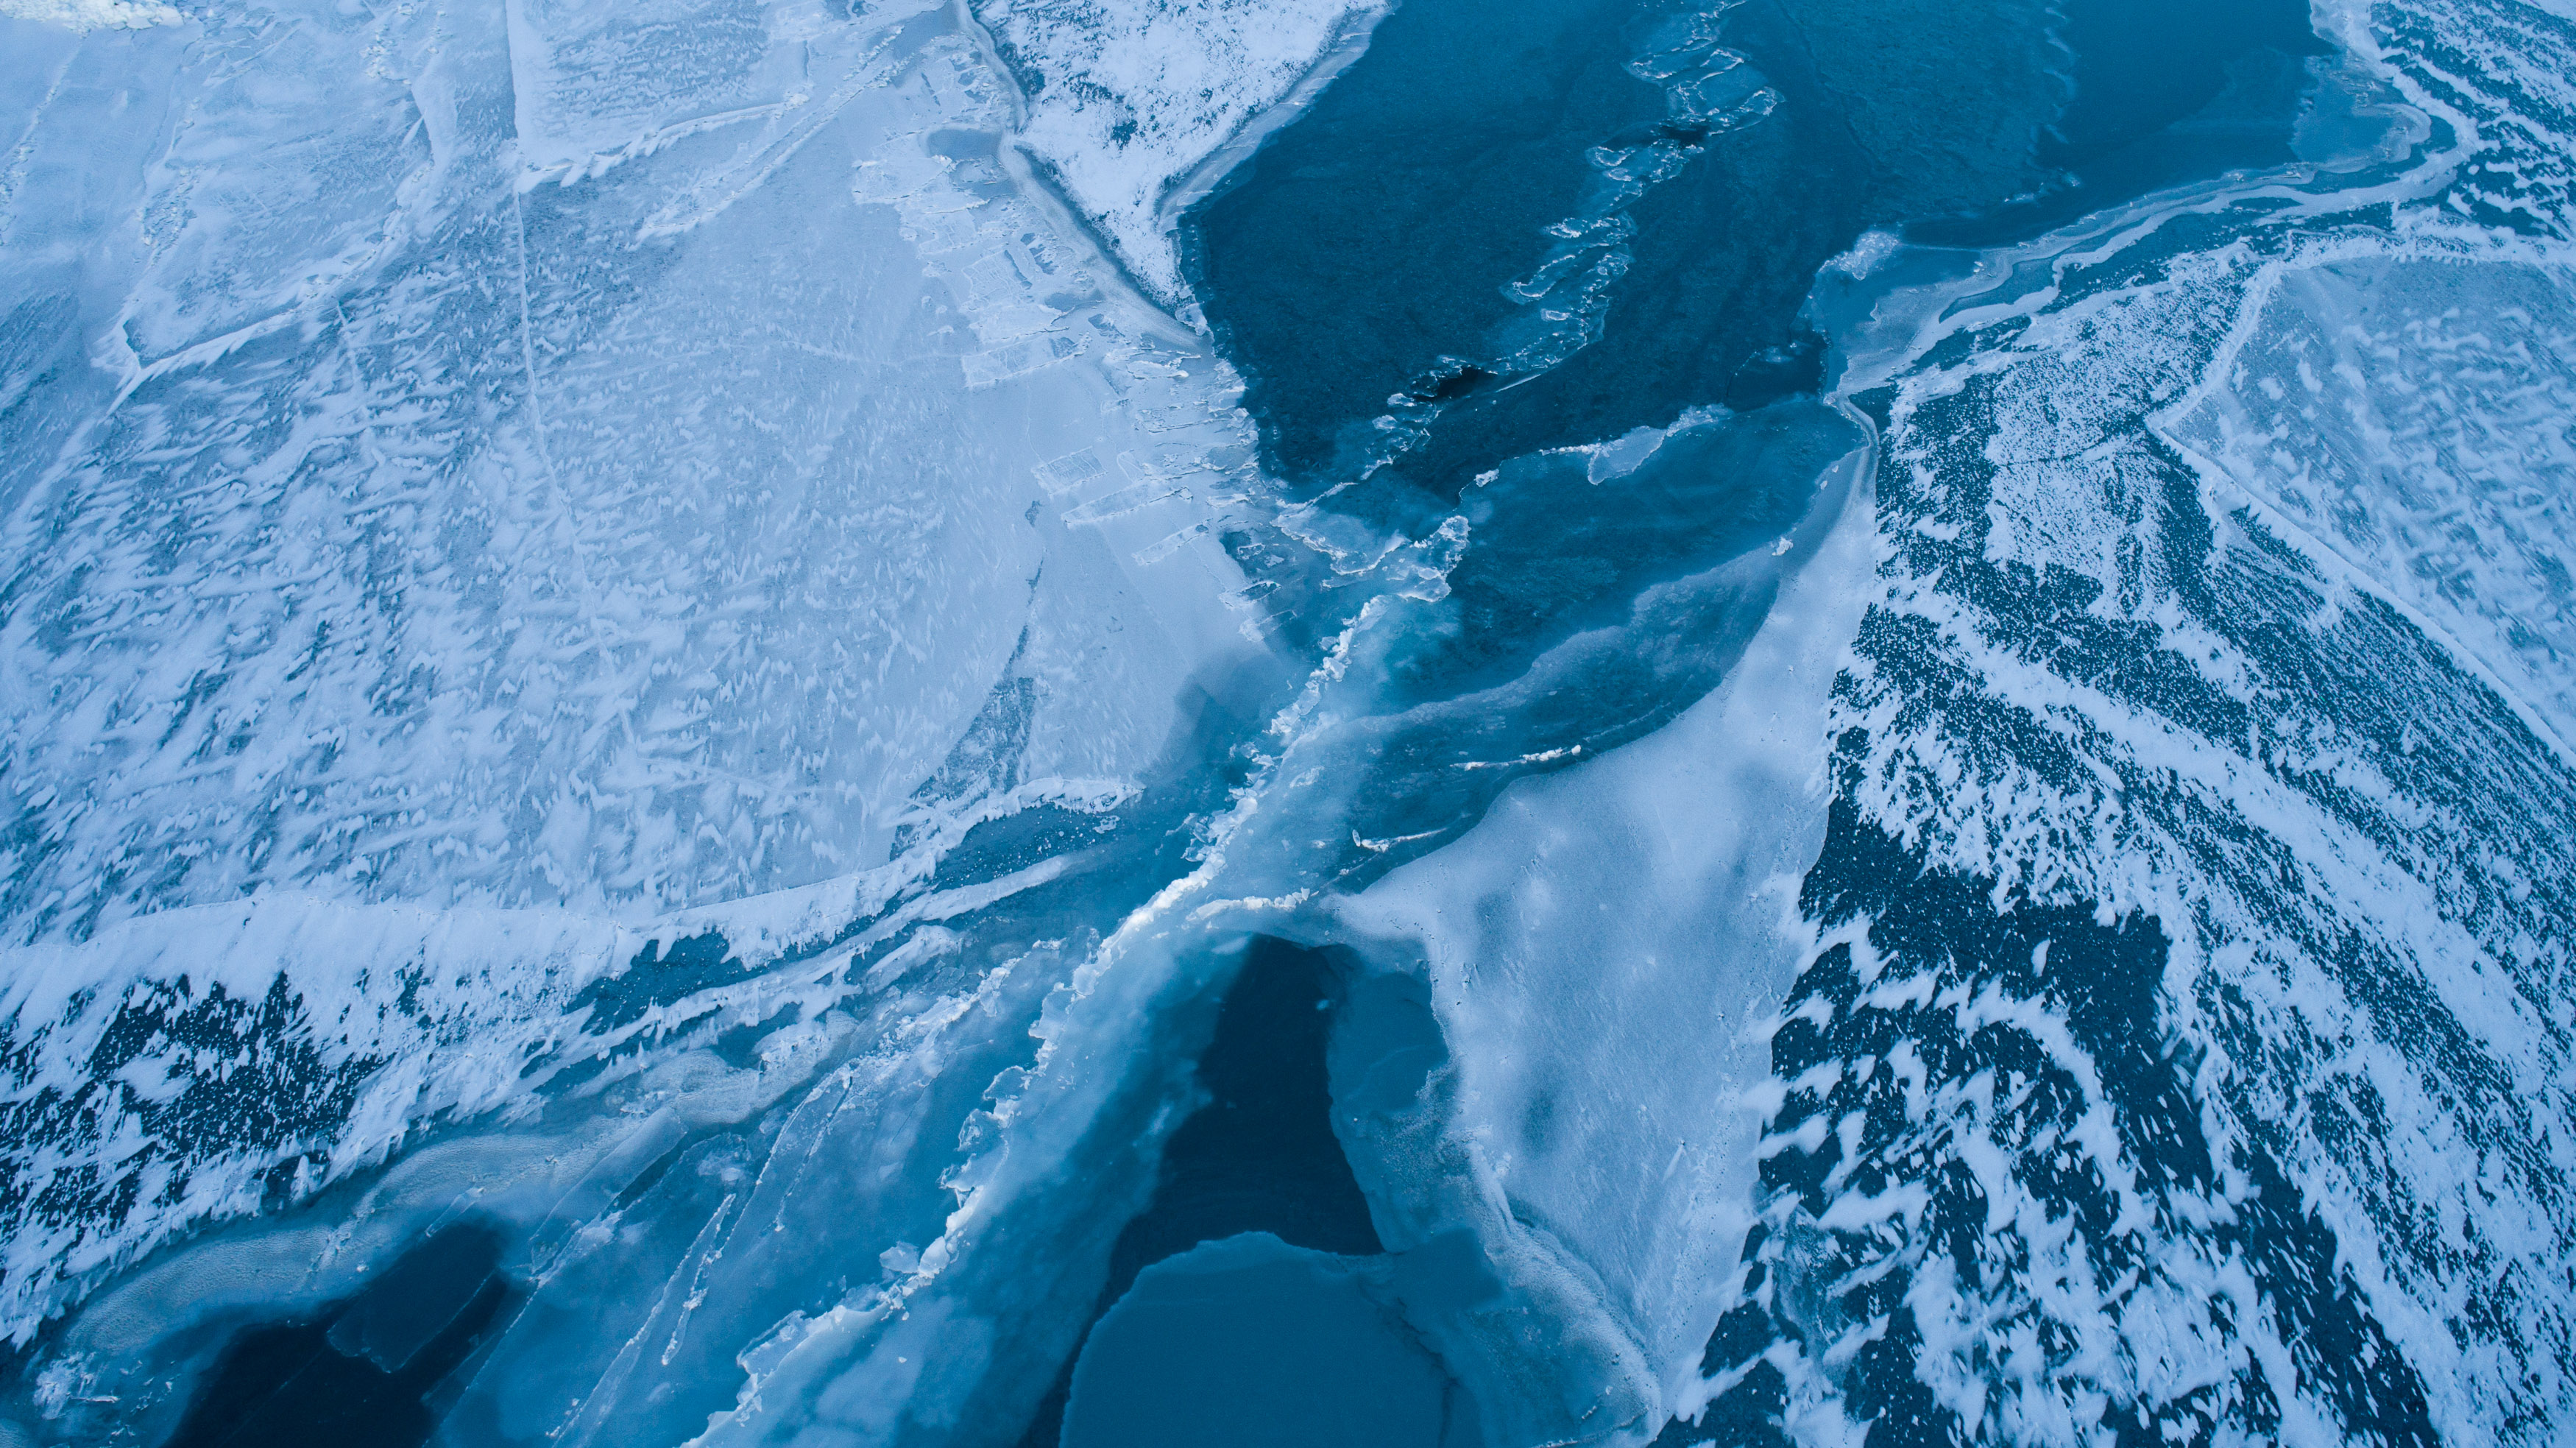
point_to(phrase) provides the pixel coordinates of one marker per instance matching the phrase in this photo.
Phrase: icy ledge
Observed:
(1127, 98)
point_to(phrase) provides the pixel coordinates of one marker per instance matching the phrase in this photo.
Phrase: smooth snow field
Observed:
(1138, 724)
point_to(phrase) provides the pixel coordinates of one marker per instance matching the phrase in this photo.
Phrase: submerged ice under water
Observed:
(1058, 721)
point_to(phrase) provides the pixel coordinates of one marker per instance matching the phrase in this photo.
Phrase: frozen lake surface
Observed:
(1079, 722)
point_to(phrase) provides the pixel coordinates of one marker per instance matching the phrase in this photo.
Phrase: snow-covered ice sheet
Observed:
(2414, 410)
(2184, 1040)
(618, 633)
(81, 15)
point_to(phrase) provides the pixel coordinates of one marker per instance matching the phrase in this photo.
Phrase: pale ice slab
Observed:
(82, 15)
(2415, 412)
(1127, 97)
(427, 536)
(1603, 952)
(459, 515)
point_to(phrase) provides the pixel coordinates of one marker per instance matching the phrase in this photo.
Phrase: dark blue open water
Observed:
(1362, 255)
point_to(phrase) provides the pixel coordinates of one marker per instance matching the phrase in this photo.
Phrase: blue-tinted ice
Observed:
(763, 721)
(1250, 1341)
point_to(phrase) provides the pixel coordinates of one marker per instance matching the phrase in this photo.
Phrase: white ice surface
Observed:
(448, 540)
(1127, 97)
(2414, 411)
(2384, 408)
(480, 482)
(85, 15)
(1604, 950)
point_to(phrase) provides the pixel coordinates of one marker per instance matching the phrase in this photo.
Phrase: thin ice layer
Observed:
(1631, 911)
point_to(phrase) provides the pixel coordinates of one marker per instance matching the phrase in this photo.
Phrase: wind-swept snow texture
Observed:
(2184, 1050)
